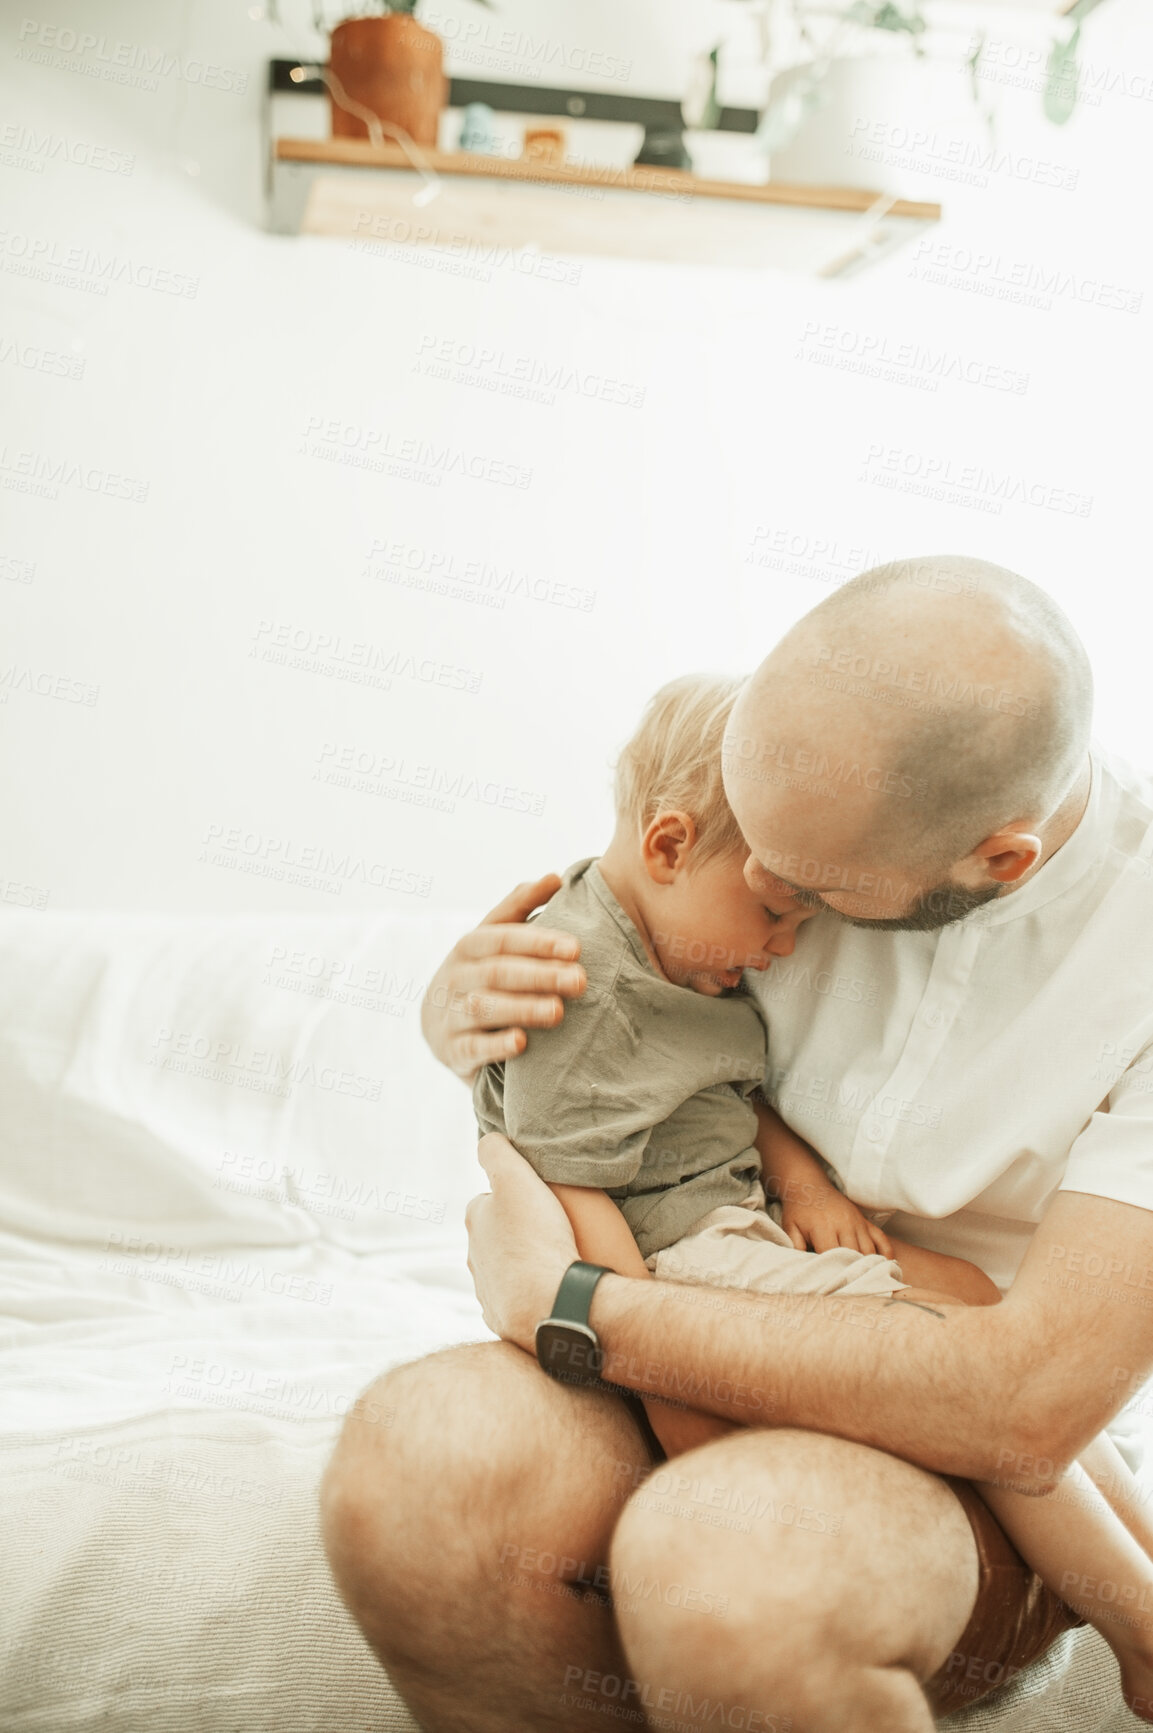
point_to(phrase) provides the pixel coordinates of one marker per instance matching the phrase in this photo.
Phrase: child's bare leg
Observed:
(1092, 1539)
(1118, 1486)
(937, 1279)
(1091, 1557)
(955, 1276)
(604, 1237)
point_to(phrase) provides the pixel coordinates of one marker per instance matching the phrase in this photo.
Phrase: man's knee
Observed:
(806, 1545)
(444, 1458)
(400, 1494)
(751, 1526)
(407, 1451)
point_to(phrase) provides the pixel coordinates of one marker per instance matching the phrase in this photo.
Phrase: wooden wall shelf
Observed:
(353, 188)
(358, 153)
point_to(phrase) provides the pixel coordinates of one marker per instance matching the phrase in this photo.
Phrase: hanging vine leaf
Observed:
(785, 114)
(1061, 76)
(700, 104)
(886, 16)
(973, 66)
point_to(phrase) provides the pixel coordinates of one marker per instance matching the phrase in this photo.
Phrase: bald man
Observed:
(965, 1036)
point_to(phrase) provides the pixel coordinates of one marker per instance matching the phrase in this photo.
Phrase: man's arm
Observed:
(499, 980)
(1011, 1392)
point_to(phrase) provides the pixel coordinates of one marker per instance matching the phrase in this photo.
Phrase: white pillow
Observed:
(207, 1080)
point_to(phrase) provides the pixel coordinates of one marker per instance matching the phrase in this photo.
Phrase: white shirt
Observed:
(960, 1078)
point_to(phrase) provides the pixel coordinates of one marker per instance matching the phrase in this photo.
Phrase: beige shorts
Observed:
(743, 1246)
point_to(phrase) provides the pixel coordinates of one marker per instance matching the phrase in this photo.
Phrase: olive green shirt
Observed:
(643, 1089)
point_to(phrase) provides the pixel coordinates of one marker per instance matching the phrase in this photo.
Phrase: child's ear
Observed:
(667, 844)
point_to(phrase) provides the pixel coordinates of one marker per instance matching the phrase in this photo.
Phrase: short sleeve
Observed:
(1113, 1157)
(580, 1103)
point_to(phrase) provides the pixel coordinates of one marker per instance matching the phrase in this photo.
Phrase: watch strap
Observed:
(574, 1297)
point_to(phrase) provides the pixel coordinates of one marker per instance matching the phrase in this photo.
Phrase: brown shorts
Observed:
(1015, 1618)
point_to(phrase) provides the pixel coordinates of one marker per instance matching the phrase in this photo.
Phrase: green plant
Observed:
(1062, 70)
(785, 114)
(886, 16)
(783, 117)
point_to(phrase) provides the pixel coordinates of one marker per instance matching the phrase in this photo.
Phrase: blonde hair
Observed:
(673, 762)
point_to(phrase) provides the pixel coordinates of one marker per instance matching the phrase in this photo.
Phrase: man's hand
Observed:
(498, 981)
(520, 1244)
(821, 1217)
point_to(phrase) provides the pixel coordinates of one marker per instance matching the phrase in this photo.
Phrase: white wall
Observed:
(746, 433)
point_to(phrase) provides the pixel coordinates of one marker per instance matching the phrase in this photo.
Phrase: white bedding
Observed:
(231, 1189)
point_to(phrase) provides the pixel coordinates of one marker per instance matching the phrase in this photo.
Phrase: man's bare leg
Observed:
(463, 1500)
(472, 1490)
(816, 1581)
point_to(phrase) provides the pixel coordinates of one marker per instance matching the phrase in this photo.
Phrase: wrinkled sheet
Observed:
(231, 1193)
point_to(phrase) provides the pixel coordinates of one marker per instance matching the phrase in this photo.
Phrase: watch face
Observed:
(570, 1352)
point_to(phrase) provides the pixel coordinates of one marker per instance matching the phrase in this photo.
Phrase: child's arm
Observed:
(604, 1237)
(601, 1232)
(813, 1212)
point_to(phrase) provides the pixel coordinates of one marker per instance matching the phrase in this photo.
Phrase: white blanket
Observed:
(231, 1189)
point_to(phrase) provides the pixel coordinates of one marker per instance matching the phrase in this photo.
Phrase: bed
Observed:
(231, 1192)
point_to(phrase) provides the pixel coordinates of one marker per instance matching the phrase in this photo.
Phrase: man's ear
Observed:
(1009, 853)
(666, 845)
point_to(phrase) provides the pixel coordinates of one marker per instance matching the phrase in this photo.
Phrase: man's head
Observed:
(680, 850)
(897, 757)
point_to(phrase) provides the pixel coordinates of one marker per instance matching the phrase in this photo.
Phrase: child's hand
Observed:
(821, 1217)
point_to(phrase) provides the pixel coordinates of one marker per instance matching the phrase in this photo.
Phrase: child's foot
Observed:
(1136, 1677)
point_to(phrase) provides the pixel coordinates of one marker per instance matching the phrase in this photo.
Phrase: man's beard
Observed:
(937, 908)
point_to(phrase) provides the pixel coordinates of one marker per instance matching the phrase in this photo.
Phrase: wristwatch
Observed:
(567, 1346)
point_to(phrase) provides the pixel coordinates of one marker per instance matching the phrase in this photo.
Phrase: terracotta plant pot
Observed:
(392, 66)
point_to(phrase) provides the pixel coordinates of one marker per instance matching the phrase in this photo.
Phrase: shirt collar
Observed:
(1082, 851)
(598, 884)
